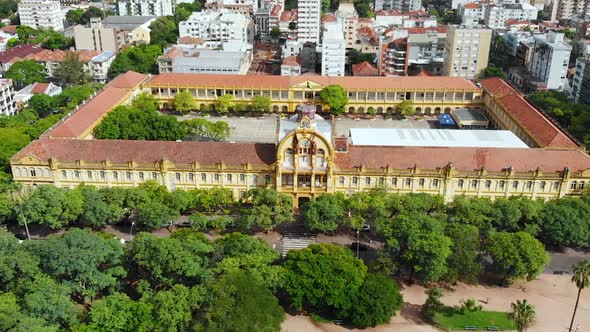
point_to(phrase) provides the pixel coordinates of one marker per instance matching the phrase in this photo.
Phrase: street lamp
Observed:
(18, 199)
(357, 243)
(131, 230)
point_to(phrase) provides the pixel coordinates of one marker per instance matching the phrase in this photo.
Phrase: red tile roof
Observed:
(288, 15)
(285, 82)
(191, 40)
(11, 29)
(292, 60)
(425, 30)
(147, 152)
(465, 159)
(328, 18)
(424, 73)
(471, 5)
(276, 10)
(364, 69)
(538, 126)
(59, 55)
(20, 52)
(40, 88)
(90, 113)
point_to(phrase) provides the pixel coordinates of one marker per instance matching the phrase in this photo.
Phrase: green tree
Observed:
(565, 222)
(71, 71)
(523, 314)
(419, 243)
(261, 103)
(181, 258)
(581, 277)
(493, 72)
(145, 102)
(174, 308)
(8, 8)
(324, 213)
(357, 57)
(218, 131)
(237, 251)
(74, 16)
(376, 301)
(223, 103)
(13, 320)
(323, 277)
(516, 255)
(181, 14)
(154, 214)
(86, 262)
(119, 313)
(90, 13)
(335, 97)
(45, 298)
(240, 304)
(163, 31)
(57, 41)
(433, 303)
(96, 212)
(184, 102)
(463, 264)
(17, 265)
(141, 58)
(42, 104)
(26, 72)
(275, 32)
(52, 206)
(406, 108)
(198, 221)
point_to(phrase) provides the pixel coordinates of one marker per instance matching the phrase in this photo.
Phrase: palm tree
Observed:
(523, 314)
(582, 279)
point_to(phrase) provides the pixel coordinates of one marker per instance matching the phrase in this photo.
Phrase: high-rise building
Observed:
(148, 7)
(115, 33)
(217, 27)
(550, 59)
(399, 5)
(308, 20)
(41, 14)
(333, 49)
(7, 102)
(581, 83)
(497, 15)
(467, 51)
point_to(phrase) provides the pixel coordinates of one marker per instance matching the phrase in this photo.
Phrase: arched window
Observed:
(39, 172)
(574, 185)
(17, 171)
(33, 173)
(289, 157)
(321, 157)
(581, 185)
(47, 173)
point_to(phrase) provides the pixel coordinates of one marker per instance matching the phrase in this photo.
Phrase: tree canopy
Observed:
(141, 58)
(26, 72)
(335, 98)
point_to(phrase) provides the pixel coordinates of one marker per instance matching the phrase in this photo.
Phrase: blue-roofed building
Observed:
(446, 121)
(100, 64)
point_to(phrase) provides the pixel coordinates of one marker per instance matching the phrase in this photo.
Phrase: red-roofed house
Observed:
(23, 96)
(471, 13)
(364, 69)
(17, 53)
(291, 66)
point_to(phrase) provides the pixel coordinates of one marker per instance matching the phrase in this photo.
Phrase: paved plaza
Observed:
(264, 129)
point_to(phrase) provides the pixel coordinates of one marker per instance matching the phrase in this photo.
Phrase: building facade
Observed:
(7, 101)
(549, 60)
(467, 50)
(496, 15)
(581, 83)
(41, 14)
(114, 34)
(148, 7)
(333, 49)
(218, 27)
(197, 60)
(306, 161)
(308, 21)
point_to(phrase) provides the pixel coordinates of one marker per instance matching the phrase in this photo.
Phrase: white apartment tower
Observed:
(217, 27)
(467, 51)
(497, 15)
(333, 49)
(7, 102)
(550, 59)
(399, 5)
(41, 14)
(309, 14)
(148, 7)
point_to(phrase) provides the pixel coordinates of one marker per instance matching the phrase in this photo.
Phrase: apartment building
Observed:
(7, 101)
(148, 7)
(467, 50)
(25, 94)
(566, 9)
(41, 14)
(246, 7)
(308, 20)
(422, 50)
(99, 66)
(399, 5)
(218, 27)
(580, 92)
(471, 13)
(333, 49)
(114, 34)
(496, 15)
(550, 59)
(291, 66)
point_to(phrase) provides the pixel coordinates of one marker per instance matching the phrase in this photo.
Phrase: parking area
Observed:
(343, 125)
(259, 130)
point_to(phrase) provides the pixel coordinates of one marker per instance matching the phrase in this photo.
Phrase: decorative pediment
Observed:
(31, 160)
(310, 85)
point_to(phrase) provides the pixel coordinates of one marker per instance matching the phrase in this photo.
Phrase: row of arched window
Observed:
(32, 172)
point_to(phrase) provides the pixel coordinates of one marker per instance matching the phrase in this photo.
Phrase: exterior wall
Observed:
(467, 51)
(496, 16)
(41, 14)
(581, 82)
(218, 27)
(99, 39)
(148, 7)
(550, 60)
(7, 101)
(333, 50)
(304, 181)
(308, 20)
(286, 100)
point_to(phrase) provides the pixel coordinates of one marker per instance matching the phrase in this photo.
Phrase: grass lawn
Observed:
(452, 319)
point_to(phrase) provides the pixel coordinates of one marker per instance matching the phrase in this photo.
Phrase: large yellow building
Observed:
(305, 162)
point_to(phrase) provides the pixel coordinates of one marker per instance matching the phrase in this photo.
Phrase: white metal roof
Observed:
(435, 137)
